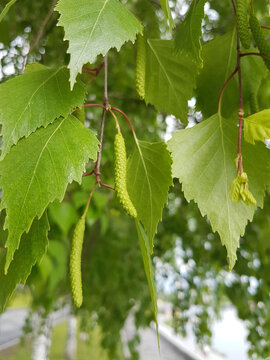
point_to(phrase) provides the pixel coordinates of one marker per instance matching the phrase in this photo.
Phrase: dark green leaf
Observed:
(32, 247)
(37, 171)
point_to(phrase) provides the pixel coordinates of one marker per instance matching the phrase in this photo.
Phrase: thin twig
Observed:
(265, 27)
(106, 186)
(89, 174)
(90, 197)
(125, 116)
(105, 106)
(234, 7)
(224, 87)
(95, 105)
(95, 70)
(40, 32)
(240, 110)
(255, 54)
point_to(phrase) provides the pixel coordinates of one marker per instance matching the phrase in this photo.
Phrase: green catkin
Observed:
(121, 175)
(253, 102)
(242, 23)
(75, 262)
(259, 39)
(140, 66)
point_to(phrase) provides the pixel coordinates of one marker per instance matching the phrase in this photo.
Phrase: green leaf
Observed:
(203, 161)
(53, 267)
(6, 9)
(167, 11)
(92, 27)
(37, 171)
(148, 268)
(148, 181)
(64, 214)
(42, 95)
(169, 78)
(32, 248)
(219, 59)
(189, 32)
(257, 127)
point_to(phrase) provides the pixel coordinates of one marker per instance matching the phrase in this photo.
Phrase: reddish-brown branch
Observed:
(240, 110)
(106, 186)
(89, 174)
(225, 85)
(93, 71)
(255, 54)
(95, 105)
(234, 7)
(105, 108)
(125, 116)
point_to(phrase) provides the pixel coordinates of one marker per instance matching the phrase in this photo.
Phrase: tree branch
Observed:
(224, 87)
(97, 166)
(240, 109)
(255, 54)
(40, 32)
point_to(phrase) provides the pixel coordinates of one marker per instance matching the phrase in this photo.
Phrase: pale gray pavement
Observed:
(149, 351)
(12, 321)
(148, 347)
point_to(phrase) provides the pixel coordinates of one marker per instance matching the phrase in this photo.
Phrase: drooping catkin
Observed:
(140, 66)
(242, 23)
(75, 262)
(259, 39)
(121, 175)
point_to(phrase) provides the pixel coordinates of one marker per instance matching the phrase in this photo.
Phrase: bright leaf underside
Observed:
(37, 171)
(203, 160)
(92, 27)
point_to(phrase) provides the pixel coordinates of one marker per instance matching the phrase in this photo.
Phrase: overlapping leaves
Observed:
(169, 78)
(219, 61)
(39, 96)
(37, 171)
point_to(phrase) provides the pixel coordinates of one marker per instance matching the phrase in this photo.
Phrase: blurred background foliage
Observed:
(187, 255)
